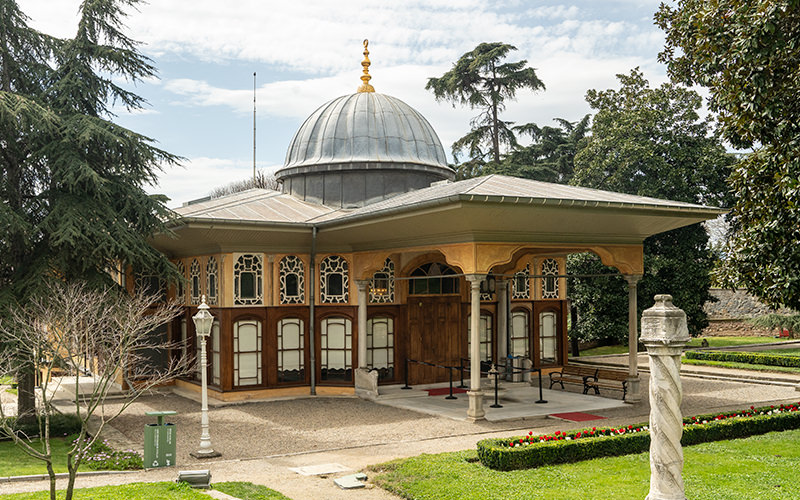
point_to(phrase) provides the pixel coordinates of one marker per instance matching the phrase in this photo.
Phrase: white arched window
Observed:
(336, 349)
(247, 352)
(212, 354)
(485, 335)
(212, 281)
(519, 336)
(548, 331)
(291, 350)
(380, 346)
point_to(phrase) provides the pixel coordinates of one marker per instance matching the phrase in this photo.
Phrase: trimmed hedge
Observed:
(753, 358)
(528, 452)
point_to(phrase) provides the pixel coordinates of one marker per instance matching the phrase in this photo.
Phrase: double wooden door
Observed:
(435, 335)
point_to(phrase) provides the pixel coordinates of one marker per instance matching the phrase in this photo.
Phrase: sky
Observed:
(308, 52)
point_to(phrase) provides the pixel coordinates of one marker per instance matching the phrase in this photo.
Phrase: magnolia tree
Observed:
(113, 333)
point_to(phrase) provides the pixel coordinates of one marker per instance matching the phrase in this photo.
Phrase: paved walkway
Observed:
(261, 441)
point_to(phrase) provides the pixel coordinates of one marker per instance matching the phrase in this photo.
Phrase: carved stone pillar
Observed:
(475, 410)
(664, 333)
(363, 297)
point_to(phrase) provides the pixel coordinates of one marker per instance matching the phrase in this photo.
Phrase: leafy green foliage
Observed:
(752, 358)
(650, 142)
(496, 453)
(746, 52)
(775, 321)
(481, 80)
(249, 491)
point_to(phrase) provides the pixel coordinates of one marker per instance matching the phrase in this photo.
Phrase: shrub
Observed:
(61, 424)
(101, 456)
(573, 446)
(753, 358)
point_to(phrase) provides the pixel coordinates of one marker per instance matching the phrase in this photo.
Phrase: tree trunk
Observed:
(52, 475)
(495, 128)
(26, 395)
(573, 337)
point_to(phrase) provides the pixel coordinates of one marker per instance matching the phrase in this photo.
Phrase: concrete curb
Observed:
(64, 475)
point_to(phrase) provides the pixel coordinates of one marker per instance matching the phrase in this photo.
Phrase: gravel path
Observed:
(259, 441)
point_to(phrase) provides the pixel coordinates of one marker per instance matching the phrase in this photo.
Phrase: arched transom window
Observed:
(433, 279)
(180, 289)
(292, 278)
(381, 288)
(334, 282)
(248, 281)
(549, 279)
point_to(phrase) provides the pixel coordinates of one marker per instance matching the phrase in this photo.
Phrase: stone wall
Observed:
(727, 315)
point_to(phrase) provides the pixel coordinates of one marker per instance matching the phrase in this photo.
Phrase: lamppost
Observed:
(202, 325)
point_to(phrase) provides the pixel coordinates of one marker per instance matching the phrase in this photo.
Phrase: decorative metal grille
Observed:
(180, 289)
(292, 280)
(151, 284)
(550, 279)
(381, 288)
(334, 282)
(212, 281)
(194, 281)
(521, 285)
(248, 280)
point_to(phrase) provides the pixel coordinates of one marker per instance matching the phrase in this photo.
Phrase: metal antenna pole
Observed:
(254, 128)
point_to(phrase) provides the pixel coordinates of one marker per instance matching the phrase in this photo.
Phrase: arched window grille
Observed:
(180, 288)
(381, 289)
(212, 281)
(521, 285)
(152, 285)
(433, 279)
(550, 279)
(292, 280)
(194, 281)
(334, 281)
(248, 280)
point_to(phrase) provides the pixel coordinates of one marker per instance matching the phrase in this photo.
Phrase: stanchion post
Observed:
(461, 370)
(496, 374)
(450, 370)
(541, 398)
(406, 386)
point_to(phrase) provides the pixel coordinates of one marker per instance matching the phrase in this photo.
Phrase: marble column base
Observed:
(634, 394)
(475, 410)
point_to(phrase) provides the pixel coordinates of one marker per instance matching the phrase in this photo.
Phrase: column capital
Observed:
(475, 278)
(632, 279)
(362, 285)
(501, 285)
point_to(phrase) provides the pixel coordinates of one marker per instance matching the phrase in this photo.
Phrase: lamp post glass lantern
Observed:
(203, 321)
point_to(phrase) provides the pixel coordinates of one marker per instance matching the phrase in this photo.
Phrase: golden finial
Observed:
(366, 87)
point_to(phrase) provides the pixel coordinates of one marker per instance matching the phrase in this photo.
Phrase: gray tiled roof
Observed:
(261, 205)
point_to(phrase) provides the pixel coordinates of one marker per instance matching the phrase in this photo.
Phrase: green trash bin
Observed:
(159, 441)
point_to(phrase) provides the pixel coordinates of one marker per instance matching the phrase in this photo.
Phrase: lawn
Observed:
(741, 366)
(160, 491)
(757, 468)
(695, 342)
(15, 462)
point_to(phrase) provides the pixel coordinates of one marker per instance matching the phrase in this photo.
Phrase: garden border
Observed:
(751, 358)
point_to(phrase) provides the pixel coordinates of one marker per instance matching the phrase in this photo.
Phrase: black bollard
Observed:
(496, 374)
(450, 370)
(408, 386)
(541, 398)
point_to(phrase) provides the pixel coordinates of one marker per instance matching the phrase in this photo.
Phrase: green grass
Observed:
(695, 342)
(15, 462)
(785, 352)
(757, 468)
(6, 380)
(12, 391)
(160, 491)
(133, 491)
(249, 491)
(741, 366)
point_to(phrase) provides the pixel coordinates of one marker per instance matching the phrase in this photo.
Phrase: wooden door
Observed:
(434, 326)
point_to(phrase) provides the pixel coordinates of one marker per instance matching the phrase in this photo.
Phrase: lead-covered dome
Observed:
(362, 148)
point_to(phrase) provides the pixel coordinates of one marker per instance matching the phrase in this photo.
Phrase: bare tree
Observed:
(262, 180)
(115, 333)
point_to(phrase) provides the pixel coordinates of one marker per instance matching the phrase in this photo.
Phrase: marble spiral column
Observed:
(664, 333)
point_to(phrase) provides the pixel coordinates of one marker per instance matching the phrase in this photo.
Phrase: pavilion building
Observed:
(371, 254)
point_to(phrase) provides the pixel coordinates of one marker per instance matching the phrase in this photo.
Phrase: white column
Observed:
(363, 297)
(475, 410)
(633, 341)
(664, 333)
(502, 321)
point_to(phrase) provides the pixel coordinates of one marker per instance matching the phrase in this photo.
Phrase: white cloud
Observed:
(199, 176)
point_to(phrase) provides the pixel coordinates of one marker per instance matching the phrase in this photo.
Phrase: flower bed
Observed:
(752, 358)
(101, 456)
(529, 451)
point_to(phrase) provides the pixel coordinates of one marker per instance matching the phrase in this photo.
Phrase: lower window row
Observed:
(336, 348)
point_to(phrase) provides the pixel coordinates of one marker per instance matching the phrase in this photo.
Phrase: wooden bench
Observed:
(573, 375)
(607, 379)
